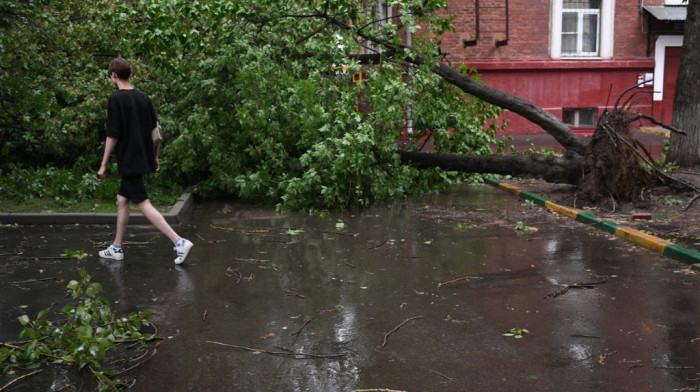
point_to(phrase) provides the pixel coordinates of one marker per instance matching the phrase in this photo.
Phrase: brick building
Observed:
(572, 57)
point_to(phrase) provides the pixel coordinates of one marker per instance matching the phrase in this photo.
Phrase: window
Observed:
(580, 117)
(582, 28)
(381, 11)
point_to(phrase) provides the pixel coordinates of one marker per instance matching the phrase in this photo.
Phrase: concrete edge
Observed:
(176, 216)
(658, 245)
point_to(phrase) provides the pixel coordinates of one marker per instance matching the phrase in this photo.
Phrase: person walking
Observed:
(130, 121)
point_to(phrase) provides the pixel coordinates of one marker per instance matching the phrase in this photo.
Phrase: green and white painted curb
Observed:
(663, 247)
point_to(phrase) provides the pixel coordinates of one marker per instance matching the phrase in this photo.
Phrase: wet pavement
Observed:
(412, 295)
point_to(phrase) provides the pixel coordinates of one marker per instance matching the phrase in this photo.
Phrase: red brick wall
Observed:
(528, 33)
(630, 29)
(524, 66)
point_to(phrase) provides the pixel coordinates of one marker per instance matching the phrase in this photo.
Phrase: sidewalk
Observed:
(175, 217)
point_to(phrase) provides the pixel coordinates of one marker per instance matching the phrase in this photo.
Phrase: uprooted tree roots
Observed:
(615, 166)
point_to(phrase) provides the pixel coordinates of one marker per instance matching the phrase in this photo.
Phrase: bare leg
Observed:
(156, 218)
(122, 219)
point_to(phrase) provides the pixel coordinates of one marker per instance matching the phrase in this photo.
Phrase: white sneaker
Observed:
(112, 253)
(182, 251)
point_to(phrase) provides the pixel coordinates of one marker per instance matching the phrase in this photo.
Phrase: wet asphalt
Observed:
(413, 295)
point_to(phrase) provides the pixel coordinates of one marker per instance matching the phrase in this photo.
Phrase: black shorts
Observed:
(133, 189)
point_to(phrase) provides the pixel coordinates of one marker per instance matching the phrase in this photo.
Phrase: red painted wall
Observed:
(554, 85)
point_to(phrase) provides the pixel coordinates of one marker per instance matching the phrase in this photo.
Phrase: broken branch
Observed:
(20, 378)
(457, 280)
(386, 335)
(659, 123)
(580, 285)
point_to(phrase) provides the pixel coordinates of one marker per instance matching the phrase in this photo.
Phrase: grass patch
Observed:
(61, 190)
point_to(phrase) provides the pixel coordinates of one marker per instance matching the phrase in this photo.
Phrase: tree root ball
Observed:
(614, 165)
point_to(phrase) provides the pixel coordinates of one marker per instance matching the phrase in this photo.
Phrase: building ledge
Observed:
(560, 64)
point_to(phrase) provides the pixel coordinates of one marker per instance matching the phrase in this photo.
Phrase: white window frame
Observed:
(605, 31)
(580, 19)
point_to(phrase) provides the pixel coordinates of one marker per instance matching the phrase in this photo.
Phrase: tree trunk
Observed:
(611, 166)
(551, 169)
(685, 150)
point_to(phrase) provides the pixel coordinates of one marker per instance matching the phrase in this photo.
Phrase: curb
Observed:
(658, 245)
(176, 216)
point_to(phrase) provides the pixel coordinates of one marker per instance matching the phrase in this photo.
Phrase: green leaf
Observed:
(73, 285)
(24, 319)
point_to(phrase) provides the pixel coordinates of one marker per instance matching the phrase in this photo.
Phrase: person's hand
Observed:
(102, 173)
(157, 165)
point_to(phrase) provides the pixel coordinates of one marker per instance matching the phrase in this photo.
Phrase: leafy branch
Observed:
(82, 339)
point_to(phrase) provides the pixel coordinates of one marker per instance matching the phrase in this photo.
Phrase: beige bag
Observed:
(157, 134)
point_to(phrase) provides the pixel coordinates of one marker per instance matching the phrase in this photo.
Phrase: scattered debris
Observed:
(337, 232)
(250, 261)
(443, 376)
(517, 333)
(377, 390)
(641, 216)
(21, 282)
(291, 293)
(338, 308)
(604, 356)
(285, 353)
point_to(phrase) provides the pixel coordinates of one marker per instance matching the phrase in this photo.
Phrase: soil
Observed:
(665, 211)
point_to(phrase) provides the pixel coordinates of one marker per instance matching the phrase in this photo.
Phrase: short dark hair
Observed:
(121, 67)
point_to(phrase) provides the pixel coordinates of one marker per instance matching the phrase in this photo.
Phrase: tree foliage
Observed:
(261, 100)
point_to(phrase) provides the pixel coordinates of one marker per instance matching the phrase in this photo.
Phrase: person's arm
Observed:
(156, 151)
(109, 148)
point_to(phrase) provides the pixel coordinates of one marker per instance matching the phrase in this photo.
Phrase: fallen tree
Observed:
(614, 164)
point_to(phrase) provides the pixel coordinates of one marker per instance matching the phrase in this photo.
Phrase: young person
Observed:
(130, 121)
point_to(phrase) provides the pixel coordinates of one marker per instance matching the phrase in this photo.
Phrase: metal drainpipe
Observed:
(409, 121)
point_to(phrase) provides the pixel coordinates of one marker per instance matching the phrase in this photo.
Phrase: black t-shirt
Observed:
(130, 119)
